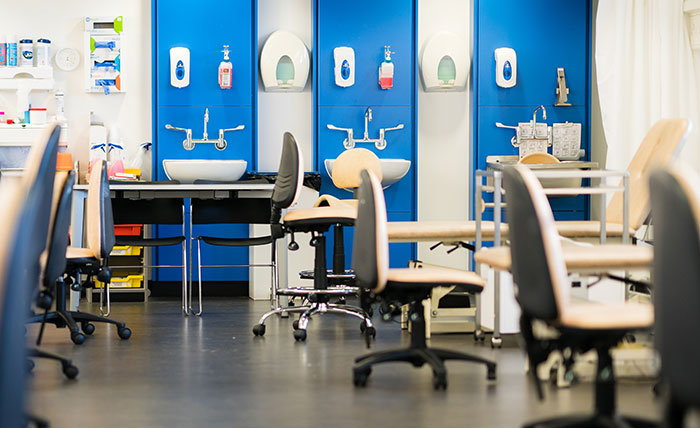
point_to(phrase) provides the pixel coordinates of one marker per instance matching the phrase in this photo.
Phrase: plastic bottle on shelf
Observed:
(26, 55)
(3, 50)
(12, 51)
(42, 52)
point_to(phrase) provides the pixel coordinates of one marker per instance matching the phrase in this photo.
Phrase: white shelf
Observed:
(26, 134)
(29, 78)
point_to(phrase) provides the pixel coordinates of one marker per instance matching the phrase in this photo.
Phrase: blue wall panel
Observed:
(546, 34)
(204, 30)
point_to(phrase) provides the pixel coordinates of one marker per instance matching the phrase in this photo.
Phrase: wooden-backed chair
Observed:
(411, 286)
(542, 291)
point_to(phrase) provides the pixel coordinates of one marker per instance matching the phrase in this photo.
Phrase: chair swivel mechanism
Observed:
(542, 292)
(92, 261)
(398, 287)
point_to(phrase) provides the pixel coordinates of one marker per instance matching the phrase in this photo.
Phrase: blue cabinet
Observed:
(546, 34)
(204, 28)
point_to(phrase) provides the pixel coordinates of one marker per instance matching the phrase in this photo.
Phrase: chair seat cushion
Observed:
(344, 214)
(589, 229)
(435, 277)
(436, 231)
(81, 256)
(621, 316)
(149, 242)
(236, 242)
(332, 201)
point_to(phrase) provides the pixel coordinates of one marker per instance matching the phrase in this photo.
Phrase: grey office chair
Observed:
(55, 263)
(397, 287)
(542, 289)
(675, 204)
(92, 261)
(23, 234)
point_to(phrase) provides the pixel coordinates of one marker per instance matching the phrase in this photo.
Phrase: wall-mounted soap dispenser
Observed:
(284, 63)
(445, 63)
(344, 58)
(386, 70)
(506, 67)
(179, 67)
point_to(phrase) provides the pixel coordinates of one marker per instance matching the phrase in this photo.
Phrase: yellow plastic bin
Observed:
(126, 250)
(131, 281)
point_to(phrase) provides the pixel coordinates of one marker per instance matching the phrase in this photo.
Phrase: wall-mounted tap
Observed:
(379, 143)
(188, 143)
(534, 118)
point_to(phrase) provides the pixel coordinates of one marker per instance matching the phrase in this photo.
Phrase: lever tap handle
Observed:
(237, 128)
(174, 128)
(335, 128)
(395, 128)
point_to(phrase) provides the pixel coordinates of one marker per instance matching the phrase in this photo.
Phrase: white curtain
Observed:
(645, 72)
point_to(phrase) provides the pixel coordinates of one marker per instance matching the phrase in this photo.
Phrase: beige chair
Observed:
(92, 261)
(660, 147)
(397, 287)
(543, 295)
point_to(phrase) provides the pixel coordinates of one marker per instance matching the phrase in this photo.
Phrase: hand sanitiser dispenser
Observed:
(344, 66)
(179, 67)
(506, 67)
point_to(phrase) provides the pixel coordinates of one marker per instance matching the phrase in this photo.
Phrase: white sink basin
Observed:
(186, 171)
(393, 170)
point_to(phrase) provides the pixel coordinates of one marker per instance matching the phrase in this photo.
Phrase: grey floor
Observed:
(212, 372)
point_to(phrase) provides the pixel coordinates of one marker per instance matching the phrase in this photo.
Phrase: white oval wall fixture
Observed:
(284, 63)
(445, 63)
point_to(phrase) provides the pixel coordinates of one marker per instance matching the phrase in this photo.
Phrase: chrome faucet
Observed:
(205, 135)
(534, 118)
(220, 143)
(368, 117)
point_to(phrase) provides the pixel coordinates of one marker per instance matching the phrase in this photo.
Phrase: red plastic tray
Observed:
(127, 229)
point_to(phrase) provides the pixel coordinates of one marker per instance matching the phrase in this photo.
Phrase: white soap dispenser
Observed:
(386, 70)
(344, 58)
(225, 70)
(179, 67)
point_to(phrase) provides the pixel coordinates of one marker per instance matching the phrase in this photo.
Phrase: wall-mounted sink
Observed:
(393, 170)
(186, 171)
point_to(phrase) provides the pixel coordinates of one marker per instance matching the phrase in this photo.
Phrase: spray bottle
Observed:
(225, 70)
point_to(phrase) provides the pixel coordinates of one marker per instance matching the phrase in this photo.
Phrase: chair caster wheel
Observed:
(259, 329)
(496, 342)
(295, 324)
(360, 377)
(440, 381)
(88, 328)
(70, 371)
(491, 374)
(300, 335)
(29, 365)
(77, 338)
(124, 333)
(479, 335)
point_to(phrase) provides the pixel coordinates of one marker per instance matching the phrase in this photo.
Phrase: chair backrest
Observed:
(290, 176)
(349, 165)
(660, 147)
(538, 268)
(23, 235)
(370, 250)
(100, 223)
(58, 230)
(675, 204)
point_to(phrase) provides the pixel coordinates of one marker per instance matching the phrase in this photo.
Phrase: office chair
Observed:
(398, 287)
(236, 211)
(164, 211)
(55, 263)
(675, 204)
(23, 232)
(317, 221)
(92, 261)
(542, 288)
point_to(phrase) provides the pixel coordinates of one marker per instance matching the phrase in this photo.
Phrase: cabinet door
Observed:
(204, 27)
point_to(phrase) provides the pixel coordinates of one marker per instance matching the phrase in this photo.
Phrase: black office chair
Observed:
(92, 261)
(675, 204)
(55, 263)
(166, 211)
(398, 287)
(542, 287)
(23, 232)
(236, 211)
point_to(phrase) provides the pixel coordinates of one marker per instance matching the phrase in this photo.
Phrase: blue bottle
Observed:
(12, 52)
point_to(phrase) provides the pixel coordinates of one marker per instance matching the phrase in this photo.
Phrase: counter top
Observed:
(184, 187)
(498, 162)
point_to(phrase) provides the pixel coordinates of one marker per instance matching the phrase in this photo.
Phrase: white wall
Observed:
(62, 23)
(444, 133)
(279, 112)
